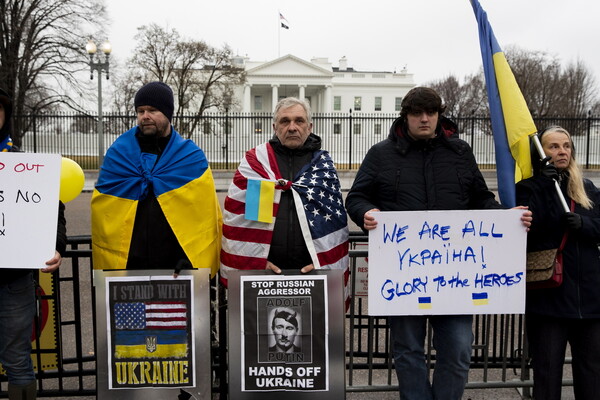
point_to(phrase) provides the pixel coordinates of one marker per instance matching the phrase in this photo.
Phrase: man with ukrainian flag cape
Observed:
(155, 204)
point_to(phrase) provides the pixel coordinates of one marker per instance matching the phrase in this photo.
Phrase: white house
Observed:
(329, 89)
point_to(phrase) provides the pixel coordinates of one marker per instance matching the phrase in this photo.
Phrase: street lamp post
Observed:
(96, 64)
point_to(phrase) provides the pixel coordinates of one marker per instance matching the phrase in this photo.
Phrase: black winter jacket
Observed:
(403, 174)
(288, 249)
(579, 294)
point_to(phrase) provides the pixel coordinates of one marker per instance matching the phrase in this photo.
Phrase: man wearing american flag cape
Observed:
(284, 209)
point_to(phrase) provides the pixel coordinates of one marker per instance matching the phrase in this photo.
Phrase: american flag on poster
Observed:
(151, 330)
(151, 315)
(318, 201)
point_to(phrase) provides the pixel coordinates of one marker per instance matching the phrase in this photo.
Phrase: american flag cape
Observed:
(317, 198)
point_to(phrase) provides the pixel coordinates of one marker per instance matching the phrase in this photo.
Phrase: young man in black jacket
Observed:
(423, 165)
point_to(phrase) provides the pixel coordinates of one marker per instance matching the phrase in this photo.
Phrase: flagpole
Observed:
(278, 34)
(542, 153)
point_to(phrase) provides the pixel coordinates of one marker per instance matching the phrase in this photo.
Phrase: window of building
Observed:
(258, 127)
(337, 103)
(357, 130)
(337, 128)
(258, 103)
(206, 128)
(398, 104)
(357, 103)
(377, 129)
(378, 103)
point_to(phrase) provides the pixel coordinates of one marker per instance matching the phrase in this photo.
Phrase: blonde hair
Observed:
(575, 188)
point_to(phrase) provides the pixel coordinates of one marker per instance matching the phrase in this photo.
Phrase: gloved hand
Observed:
(548, 170)
(572, 220)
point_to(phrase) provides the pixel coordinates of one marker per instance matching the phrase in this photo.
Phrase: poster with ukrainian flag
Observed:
(157, 332)
(447, 263)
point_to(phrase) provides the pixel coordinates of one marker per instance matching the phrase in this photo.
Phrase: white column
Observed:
(328, 98)
(274, 95)
(301, 94)
(246, 106)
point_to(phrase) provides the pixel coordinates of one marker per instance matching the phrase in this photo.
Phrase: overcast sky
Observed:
(432, 38)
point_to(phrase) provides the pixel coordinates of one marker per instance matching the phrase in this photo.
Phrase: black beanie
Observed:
(158, 95)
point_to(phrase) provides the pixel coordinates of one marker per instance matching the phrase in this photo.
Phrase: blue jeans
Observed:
(17, 310)
(452, 341)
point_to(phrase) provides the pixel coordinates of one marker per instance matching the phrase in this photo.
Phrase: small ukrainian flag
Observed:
(259, 200)
(424, 303)
(480, 299)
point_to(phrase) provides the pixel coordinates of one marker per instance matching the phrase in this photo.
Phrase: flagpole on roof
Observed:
(278, 33)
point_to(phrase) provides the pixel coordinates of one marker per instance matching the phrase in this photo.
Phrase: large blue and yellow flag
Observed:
(184, 187)
(512, 123)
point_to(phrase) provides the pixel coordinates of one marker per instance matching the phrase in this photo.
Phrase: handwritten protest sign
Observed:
(447, 262)
(29, 187)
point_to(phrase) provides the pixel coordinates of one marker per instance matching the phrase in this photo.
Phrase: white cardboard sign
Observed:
(29, 188)
(447, 262)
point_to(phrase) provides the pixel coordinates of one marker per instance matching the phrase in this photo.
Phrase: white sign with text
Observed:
(447, 262)
(29, 189)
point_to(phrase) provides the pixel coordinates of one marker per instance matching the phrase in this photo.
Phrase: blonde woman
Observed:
(569, 313)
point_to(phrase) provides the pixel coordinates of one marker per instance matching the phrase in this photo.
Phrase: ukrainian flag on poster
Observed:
(425, 303)
(480, 299)
(260, 196)
(512, 123)
(183, 185)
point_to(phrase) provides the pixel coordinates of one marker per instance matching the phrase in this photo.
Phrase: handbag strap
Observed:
(564, 239)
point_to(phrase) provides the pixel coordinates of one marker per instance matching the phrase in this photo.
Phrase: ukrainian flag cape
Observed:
(183, 185)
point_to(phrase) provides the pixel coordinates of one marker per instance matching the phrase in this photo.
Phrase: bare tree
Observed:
(548, 88)
(202, 77)
(538, 76)
(465, 99)
(41, 48)
(579, 93)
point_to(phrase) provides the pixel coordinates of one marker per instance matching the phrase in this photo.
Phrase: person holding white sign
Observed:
(17, 294)
(423, 165)
(569, 313)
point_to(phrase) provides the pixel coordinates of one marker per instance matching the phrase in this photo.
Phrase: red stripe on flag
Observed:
(239, 207)
(273, 161)
(243, 262)
(247, 234)
(334, 254)
(255, 164)
(240, 181)
(234, 206)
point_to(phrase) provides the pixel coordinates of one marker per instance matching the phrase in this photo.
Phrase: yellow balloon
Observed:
(71, 180)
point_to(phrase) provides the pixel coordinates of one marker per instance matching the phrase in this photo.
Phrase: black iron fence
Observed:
(499, 358)
(226, 137)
